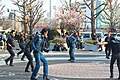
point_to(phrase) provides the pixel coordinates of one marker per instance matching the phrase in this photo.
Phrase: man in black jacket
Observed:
(115, 46)
(21, 45)
(107, 46)
(27, 53)
(10, 44)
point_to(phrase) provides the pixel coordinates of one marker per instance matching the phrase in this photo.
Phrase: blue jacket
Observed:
(38, 43)
(71, 41)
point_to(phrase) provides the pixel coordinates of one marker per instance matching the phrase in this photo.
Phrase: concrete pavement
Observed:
(88, 66)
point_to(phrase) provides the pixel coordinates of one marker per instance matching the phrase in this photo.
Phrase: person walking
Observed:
(38, 47)
(107, 46)
(10, 44)
(27, 53)
(71, 43)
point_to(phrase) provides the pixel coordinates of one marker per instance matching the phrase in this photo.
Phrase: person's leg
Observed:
(12, 57)
(6, 60)
(29, 57)
(23, 57)
(37, 66)
(72, 54)
(106, 52)
(118, 64)
(26, 69)
(113, 58)
(21, 51)
(45, 65)
(70, 50)
(109, 49)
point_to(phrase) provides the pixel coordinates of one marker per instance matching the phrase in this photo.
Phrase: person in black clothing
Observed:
(115, 46)
(21, 45)
(107, 46)
(10, 44)
(27, 53)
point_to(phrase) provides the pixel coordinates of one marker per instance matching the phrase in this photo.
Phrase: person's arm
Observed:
(33, 43)
(68, 42)
(73, 40)
(12, 43)
(43, 46)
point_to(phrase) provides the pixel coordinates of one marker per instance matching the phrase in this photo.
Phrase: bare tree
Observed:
(31, 12)
(1, 8)
(1, 12)
(94, 15)
(111, 15)
(70, 15)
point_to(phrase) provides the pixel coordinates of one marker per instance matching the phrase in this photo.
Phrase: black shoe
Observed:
(11, 65)
(107, 57)
(111, 76)
(6, 62)
(118, 78)
(22, 60)
(27, 71)
(33, 78)
(45, 78)
(69, 59)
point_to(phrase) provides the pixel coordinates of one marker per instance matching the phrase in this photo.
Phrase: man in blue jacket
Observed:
(71, 43)
(38, 47)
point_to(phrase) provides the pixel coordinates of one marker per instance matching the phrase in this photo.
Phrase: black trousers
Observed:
(107, 50)
(30, 62)
(115, 57)
(22, 50)
(12, 54)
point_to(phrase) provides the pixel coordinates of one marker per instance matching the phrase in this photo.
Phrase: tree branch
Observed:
(97, 14)
(87, 4)
(99, 6)
(87, 17)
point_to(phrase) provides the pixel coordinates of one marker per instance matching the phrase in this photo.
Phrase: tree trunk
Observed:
(93, 30)
(25, 26)
(30, 26)
(111, 17)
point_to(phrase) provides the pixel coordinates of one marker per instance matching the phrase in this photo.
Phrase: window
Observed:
(86, 35)
(118, 35)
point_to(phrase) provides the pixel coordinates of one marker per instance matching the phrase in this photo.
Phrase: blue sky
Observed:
(8, 5)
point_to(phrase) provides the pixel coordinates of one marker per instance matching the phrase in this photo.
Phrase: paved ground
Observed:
(88, 66)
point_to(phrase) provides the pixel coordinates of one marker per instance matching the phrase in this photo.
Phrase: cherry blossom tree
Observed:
(70, 15)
